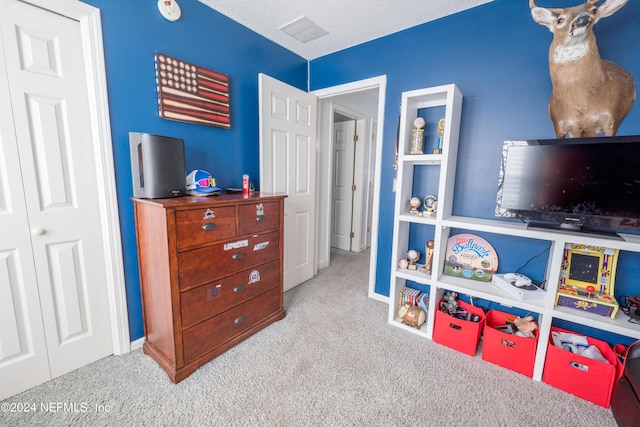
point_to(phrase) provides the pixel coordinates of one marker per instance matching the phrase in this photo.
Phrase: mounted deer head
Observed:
(590, 96)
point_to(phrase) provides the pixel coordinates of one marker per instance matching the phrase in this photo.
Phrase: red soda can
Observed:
(245, 184)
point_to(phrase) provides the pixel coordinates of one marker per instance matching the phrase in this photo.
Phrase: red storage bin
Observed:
(461, 335)
(508, 350)
(589, 379)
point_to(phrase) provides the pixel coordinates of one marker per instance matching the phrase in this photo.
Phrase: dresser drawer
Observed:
(204, 225)
(206, 264)
(215, 297)
(259, 217)
(215, 331)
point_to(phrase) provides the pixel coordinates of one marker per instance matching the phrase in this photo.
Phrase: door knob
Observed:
(38, 231)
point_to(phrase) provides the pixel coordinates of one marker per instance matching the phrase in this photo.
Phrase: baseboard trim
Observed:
(137, 344)
(379, 297)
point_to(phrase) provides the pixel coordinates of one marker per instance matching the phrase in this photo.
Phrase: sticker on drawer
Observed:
(236, 245)
(209, 214)
(254, 276)
(260, 246)
(213, 291)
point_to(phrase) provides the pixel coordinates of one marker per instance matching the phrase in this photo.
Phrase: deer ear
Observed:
(608, 8)
(543, 17)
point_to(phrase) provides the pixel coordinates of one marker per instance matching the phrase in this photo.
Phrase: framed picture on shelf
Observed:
(470, 257)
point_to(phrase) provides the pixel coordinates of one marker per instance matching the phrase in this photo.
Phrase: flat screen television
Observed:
(580, 184)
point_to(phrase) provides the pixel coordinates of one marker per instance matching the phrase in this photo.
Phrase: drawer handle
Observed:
(209, 226)
(237, 255)
(579, 366)
(261, 218)
(508, 343)
(238, 288)
(240, 320)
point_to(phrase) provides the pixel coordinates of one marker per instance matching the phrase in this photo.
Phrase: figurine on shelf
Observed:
(414, 204)
(413, 256)
(417, 136)
(440, 137)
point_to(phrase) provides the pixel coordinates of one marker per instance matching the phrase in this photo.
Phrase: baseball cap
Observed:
(201, 183)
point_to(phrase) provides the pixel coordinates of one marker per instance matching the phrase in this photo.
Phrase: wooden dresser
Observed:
(210, 274)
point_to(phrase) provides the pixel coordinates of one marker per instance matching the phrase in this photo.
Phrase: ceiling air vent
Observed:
(303, 29)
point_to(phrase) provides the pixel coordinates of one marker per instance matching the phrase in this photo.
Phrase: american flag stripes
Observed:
(192, 94)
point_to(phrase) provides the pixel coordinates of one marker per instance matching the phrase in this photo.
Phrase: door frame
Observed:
(380, 83)
(91, 32)
(370, 160)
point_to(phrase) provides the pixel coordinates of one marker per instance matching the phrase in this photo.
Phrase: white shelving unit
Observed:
(450, 98)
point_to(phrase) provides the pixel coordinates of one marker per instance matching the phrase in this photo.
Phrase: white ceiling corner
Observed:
(347, 22)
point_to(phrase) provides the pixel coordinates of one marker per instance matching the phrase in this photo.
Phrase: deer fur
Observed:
(590, 96)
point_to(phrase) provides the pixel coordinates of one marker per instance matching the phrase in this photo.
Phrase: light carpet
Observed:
(333, 361)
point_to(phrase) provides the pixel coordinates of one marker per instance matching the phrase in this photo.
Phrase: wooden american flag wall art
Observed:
(190, 93)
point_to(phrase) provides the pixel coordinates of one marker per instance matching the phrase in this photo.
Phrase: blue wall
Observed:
(495, 53)
(497, 56)
(132, 34)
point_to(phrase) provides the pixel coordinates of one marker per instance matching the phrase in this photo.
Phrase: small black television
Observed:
(581, 184)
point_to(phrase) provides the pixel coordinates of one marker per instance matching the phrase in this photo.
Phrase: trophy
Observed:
(428, 265)
(413, 256)
(414, 204)
(440, 137)
(430, 205)
(417, 136)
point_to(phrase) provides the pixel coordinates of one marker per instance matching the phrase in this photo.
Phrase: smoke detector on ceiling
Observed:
(303, 29)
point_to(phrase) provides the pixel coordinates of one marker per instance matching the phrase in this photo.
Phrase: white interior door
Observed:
(342, 184)
(55, 256)
(288, 166)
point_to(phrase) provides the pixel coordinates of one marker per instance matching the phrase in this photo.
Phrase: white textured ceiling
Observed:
(348, 22)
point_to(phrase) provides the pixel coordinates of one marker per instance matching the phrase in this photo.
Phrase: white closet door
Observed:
(22, 343)
(42, 57)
